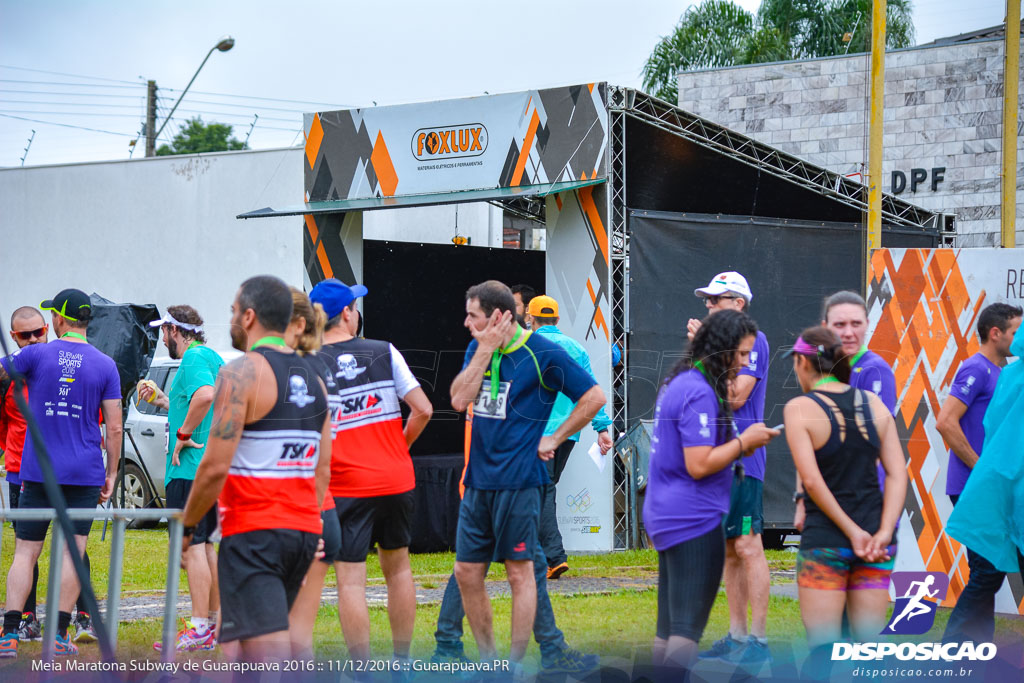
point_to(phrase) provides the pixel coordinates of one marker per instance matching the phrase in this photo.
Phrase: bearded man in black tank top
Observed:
(268, 460)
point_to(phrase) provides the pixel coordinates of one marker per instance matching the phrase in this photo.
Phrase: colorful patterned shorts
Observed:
(839, 569)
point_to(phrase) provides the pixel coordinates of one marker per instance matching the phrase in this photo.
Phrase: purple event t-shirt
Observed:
(677, 506)
(752, 411)
(873, 374)
(973, 385)
(67, 382)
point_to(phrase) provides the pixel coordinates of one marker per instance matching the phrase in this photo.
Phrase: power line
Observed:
(268, 99)
(73, 94)
(66, 125)
(60, 73)
(73, 85)
(70, 104)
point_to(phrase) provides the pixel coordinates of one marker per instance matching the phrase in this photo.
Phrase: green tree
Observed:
(719, 33)
(708, 35)
(196, 136)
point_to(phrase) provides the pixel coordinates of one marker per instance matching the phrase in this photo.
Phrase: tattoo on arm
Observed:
(229, 402)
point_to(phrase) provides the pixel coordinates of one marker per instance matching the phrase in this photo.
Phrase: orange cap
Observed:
(543, 306)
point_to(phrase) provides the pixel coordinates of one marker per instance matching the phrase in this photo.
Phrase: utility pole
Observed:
(151, 118)
(874, 231)
(1011, 73)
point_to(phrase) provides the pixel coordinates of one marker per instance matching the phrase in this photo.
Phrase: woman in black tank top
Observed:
(836, 434)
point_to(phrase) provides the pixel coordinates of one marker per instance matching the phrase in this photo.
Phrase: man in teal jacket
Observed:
(544, 313)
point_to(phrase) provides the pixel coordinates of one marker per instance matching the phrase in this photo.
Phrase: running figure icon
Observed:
(916, 605)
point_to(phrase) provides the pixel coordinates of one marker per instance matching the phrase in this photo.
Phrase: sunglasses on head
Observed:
(28, 334)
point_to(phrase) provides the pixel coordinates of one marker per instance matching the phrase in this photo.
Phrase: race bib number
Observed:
(492, 408)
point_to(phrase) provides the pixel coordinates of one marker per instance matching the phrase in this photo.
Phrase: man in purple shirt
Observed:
(961, 425)
(747, 579)
(72, 382)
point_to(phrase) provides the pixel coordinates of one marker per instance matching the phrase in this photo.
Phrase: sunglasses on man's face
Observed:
(29, 334)
(715, 299)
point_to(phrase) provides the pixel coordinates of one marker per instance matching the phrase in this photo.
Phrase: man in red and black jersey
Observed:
(268, 460)
(372, 478)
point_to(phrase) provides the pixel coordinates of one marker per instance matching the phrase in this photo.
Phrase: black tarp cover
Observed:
(791, 267)
(122, 332)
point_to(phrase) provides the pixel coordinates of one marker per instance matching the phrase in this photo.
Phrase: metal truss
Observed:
(643, 107)
(624, 521)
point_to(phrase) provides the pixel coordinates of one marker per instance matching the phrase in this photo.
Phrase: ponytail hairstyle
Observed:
(822, 348)
(316, 319)
(714, 347)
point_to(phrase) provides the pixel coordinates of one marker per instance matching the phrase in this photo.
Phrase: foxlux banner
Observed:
(498, 141)
(923, 316)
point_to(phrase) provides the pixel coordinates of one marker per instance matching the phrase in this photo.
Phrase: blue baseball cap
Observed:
(334, 295)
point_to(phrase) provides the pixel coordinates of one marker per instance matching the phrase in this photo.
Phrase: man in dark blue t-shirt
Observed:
(511, 377)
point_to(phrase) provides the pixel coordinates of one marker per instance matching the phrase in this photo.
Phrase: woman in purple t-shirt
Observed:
(836, 433)
(693, 445)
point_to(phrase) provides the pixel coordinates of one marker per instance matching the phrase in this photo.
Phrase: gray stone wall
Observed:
(943, 108)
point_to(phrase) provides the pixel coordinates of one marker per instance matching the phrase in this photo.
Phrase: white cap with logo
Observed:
(729, 281)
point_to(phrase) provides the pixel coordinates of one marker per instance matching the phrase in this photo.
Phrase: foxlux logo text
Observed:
(947, 652)
(449, 142)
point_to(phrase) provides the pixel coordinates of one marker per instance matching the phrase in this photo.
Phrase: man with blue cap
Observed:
(372, 478)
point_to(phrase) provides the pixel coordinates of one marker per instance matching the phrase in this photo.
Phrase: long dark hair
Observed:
(714, 346)
(830, 358)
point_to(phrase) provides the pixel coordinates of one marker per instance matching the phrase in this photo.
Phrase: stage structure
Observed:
(635, 194)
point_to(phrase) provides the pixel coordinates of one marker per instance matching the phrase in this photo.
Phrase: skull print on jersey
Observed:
(299, 392)
(348, 367)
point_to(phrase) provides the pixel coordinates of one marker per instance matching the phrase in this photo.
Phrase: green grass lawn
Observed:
(145, 568)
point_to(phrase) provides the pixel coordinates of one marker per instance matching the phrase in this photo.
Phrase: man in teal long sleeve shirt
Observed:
(544, 313)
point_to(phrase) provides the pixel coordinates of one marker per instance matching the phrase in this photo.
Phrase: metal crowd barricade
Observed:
(634, 451)
(120, 518)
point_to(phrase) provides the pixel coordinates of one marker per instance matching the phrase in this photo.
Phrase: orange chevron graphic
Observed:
(321, 253)
(928, 327)
(313, 140)
(524, 153)
(384, 167)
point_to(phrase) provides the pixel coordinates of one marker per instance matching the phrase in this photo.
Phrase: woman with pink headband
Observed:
(835, 434)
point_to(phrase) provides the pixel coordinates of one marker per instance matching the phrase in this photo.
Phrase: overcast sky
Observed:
(84, 63)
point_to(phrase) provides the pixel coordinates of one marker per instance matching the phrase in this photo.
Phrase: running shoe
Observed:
(9, 646)
(190, 640)
(84, 632)
(755, 652)
(569, 660)
(557, 571)
(63, 647)
(722, 648)
(30, 628)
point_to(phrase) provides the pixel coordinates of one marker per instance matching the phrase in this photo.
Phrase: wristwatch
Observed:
(798, 496)
(188, 531)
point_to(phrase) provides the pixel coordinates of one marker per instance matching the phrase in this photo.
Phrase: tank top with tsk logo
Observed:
(272, 480)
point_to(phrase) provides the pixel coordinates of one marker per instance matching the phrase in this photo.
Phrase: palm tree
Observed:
(719, 33)
(708, 35)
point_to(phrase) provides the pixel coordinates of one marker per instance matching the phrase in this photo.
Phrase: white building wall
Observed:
(158, 231)
(162, 230)
(943, 108)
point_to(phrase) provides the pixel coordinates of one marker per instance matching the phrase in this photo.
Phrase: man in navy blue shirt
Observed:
(511, 378)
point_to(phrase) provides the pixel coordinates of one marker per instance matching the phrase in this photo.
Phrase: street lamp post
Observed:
(223, 45)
